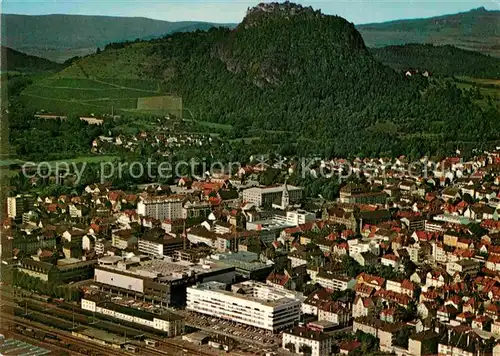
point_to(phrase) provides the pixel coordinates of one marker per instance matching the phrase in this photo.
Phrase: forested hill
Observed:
(476, 30)
(21, 62)
(294, 74)
(440, 60)
(60, 37)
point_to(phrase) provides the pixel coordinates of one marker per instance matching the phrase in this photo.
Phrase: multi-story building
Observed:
(158, 281)
(101, 245)
(162, 207)
(157, 243)
(359, 194)
(414, 223)
(300, 340)
(299, 217)
(67, 270)
(250, 303)
(169, 322)
(123, 239)
(463, 267)
(357, 247)
(196, 209)
(330, 280)
(30, 244)
(266, 196)
(18, 205)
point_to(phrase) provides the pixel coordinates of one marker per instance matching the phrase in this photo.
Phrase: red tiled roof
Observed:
(349, 345)
(406, 284)
(280, 279)
(391, 257)
(367, 278)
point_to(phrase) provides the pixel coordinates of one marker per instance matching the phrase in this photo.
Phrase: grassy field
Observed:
(84, 159)
(84, 96)
(489, 89)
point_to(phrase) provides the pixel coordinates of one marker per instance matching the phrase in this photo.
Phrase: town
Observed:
(401, 262)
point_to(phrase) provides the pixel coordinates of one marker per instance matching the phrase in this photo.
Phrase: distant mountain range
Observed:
(476, 30)
(59, 37)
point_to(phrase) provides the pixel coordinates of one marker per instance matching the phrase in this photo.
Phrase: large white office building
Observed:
(251, 303)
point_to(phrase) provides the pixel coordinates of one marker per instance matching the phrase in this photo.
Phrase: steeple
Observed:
(285, 197)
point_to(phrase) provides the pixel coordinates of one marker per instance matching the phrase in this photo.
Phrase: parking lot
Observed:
(243, 333)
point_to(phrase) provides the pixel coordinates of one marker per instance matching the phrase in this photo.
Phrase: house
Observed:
(435, 279)
(482, 322)
(463, 267)
(451, 193)
(423, 343)
(315, 301)
(391, 260)
(365, 258)
(446, 313)
(493, 263)
(362, 307)
(404, 287)
(334, 312)
(372, 281)
(427, 309)
(348, 347)
(280, 280)
(300, 339)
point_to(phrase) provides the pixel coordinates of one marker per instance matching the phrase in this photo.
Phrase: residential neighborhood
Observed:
(399, 263)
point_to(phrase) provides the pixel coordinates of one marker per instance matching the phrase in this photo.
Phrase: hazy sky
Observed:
(357, 11)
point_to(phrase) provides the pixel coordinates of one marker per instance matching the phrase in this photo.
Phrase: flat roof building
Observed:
(157, 280)
(249, 303)
(267, 196)
(171, 323)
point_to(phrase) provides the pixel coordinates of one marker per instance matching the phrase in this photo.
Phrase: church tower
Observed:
(285, 198)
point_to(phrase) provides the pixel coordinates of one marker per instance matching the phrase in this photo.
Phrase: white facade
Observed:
(265, 196)
(164, 207)
(320, 345)
(150, 247)
(335, 283)
(117, 279)
(358, 247)
(299, 217)
(174, 327)
(262, 306)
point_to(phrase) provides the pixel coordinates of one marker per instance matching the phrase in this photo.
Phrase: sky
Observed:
(233, 11)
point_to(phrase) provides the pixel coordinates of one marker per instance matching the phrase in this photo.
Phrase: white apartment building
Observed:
(298, 217)
(18, 205)
(327, 279)
(169, 322)
(319, 343)
(161, 207)
(250, 303)
(148, 247)
(470, 267)
(361, 246)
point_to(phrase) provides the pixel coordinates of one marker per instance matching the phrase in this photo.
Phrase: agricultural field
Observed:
(489, 89)
(83, 96)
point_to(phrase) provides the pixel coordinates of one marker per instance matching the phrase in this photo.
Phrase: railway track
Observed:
(66, 337)
(167, 348)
